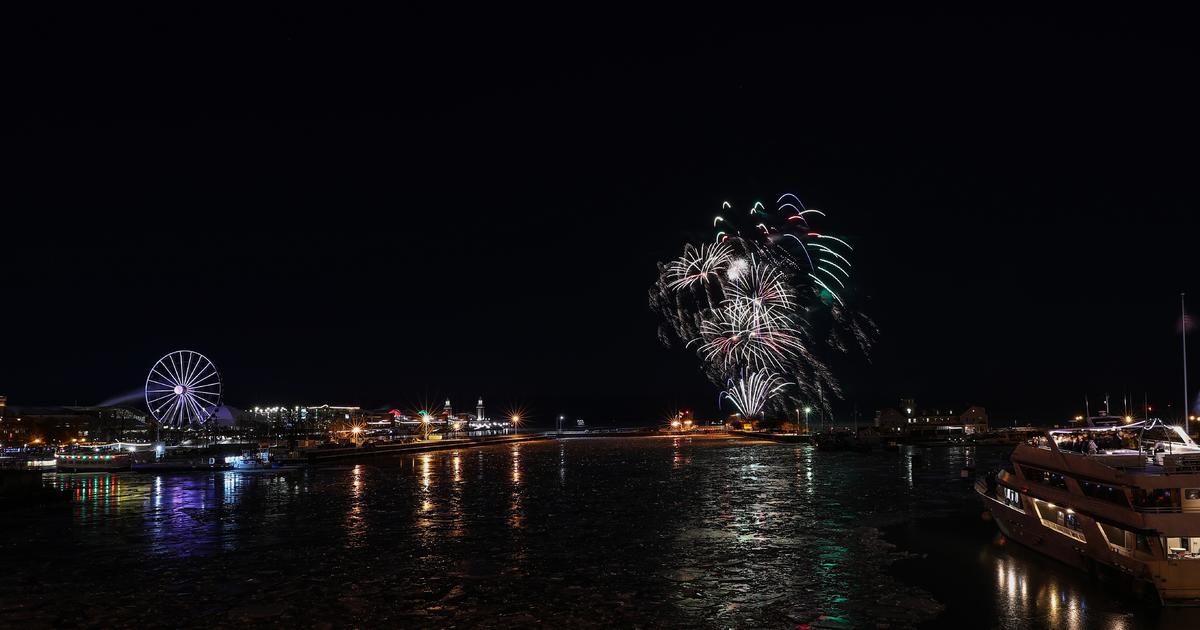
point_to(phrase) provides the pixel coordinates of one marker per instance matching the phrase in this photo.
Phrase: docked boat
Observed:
(92, 462)
(182, 464)
(1108, 497)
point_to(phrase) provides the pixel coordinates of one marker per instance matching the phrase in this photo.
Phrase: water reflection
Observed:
(457, 514)
(94, 494)
(427, 495)
(697, 532)
(355, 521)
(562, 463)
(516, 515)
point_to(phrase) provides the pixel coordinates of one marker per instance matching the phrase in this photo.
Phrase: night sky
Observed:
(390, 209)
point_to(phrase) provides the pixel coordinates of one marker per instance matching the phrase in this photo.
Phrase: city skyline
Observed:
(377, 241)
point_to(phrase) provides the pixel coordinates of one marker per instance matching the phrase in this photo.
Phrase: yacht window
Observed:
(1045, 477)
(1141, 543)
(1011, 498)
(1183, 547)
(1156, 500)
(1115, 535)
(1104, 492)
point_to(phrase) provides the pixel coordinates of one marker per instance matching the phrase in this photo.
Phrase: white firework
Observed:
(760, 285)
(751, 393)
(748, 335)
(736, 268)
(698, 265)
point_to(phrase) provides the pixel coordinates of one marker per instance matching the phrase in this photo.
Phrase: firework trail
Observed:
(751, 393)
(767, 297)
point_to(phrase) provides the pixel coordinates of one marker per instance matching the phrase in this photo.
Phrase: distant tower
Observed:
(446, 408)
(479, 409)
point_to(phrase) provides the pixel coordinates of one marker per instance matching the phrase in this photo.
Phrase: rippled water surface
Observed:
(711, 532)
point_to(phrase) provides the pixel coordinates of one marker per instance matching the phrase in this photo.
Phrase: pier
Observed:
(320, 455)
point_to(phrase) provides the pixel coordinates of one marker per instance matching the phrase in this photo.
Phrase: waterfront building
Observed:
(910, 421)
(63, 424)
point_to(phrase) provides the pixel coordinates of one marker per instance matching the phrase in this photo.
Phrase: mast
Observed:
(1183, 328)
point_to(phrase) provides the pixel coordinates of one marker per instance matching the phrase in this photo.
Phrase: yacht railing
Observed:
(1065, 530)
(1158, 510)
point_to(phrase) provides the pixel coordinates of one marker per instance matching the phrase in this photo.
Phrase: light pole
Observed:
(807, 410)
(560, 421)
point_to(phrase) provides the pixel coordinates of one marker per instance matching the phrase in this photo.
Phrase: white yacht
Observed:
(1123, 497)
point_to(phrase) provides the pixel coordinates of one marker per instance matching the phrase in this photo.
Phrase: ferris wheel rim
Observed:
(183, 388)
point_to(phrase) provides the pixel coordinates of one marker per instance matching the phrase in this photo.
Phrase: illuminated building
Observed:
(918, 423)
(54, 424)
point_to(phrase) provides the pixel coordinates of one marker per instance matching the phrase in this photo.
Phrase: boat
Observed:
(92, 462)
(190, 464)
(860, 440)
(1109, 497)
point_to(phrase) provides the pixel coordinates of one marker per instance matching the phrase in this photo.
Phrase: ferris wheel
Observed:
(183, 388)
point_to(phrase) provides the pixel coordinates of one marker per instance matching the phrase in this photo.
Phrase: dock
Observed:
(320, 455)
(790, 438)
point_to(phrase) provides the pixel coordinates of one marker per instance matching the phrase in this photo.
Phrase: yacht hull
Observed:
(1029, 532)
(1177, 582)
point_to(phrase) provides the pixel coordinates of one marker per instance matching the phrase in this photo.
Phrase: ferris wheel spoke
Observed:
(170, 380)
(162, 397)
(166, 379)
(205, 395)
(176, 410)
(190, 405)
(201, 375)
(198, 365)
(206, 408)
(189, 410)
(181, 366)
(185, 367)
(161, 384)
(167, 415)
(202, 414)
(172, 368)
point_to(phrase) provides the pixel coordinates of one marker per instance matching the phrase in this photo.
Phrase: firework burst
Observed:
(749, 394)
(766, 297)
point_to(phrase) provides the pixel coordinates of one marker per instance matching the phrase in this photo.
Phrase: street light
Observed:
(560, 421)
(807, 410)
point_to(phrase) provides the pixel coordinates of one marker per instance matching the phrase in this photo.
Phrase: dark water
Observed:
(709, 532)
